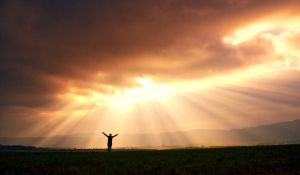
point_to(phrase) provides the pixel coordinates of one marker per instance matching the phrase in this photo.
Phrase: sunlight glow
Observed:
(147, 90)
(280, 33)
(247, 33)
(155, 104)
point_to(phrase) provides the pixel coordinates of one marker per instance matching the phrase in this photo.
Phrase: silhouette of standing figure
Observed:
(109, 141)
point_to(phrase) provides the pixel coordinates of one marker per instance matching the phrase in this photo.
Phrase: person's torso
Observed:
(109, 139)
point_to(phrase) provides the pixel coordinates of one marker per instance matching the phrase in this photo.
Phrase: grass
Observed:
(273, 160)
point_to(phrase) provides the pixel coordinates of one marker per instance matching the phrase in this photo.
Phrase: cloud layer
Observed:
(48, 47)
(45, 44)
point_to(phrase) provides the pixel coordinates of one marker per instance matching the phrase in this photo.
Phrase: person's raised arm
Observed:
(105, 134)
(115, 135)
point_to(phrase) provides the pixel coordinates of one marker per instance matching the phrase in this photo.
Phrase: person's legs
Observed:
(109, 147)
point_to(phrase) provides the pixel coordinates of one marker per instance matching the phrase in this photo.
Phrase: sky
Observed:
(73, 67)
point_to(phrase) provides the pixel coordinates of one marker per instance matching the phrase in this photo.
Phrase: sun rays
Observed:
(222, 105)
(231, 105)
(156, 105)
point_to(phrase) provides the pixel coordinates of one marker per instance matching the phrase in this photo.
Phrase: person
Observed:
(109, 140)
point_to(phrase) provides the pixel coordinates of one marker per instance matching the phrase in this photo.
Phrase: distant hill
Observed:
(43, 149)
(26, 148)
(16, 147)
(278, 133)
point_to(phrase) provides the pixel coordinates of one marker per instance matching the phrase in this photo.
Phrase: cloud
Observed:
(48, 47)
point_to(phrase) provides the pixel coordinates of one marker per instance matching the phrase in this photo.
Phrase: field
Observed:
(229, 160)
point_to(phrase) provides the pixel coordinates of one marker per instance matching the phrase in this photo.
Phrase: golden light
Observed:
(146, 89)
(248, 33)
(155, 104)
(145, 83)
(280, 33)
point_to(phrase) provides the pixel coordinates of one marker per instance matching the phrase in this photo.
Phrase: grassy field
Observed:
(230, 160)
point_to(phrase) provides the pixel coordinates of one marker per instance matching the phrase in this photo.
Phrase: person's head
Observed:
(110, 134)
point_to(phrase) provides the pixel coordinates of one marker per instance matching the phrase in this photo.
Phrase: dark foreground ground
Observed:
(231, 160)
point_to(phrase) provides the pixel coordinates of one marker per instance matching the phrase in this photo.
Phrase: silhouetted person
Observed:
(109, 141)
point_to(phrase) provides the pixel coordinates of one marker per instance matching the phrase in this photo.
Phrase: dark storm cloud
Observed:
(47, 44)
